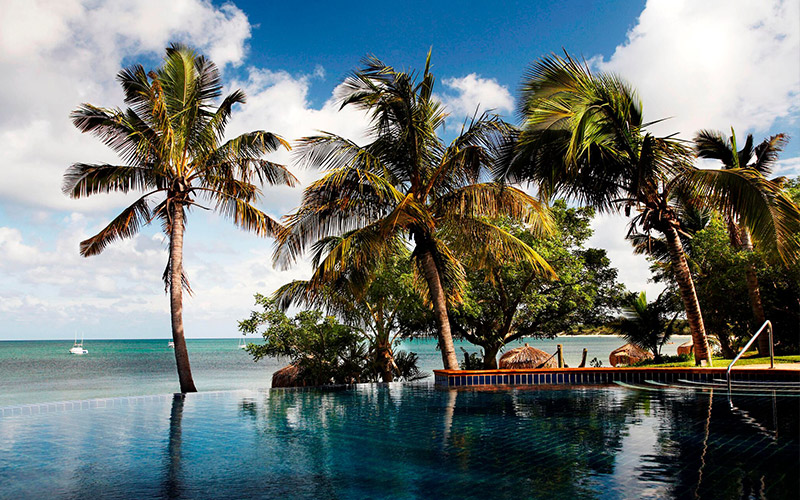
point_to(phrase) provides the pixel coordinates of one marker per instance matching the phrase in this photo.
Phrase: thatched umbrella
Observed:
(527, 357)
(288, 376)
(686, 348)
(628, 355)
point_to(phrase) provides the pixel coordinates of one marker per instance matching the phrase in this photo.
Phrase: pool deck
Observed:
(785, 372)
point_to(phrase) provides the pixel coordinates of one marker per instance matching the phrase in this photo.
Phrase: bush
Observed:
(324, 350)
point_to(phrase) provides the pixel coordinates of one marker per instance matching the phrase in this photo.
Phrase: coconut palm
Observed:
(405, 186)
(584, 136)
(648, 325)
(760, 161)
(170, 141)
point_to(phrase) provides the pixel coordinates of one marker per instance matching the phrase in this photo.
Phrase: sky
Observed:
(711, 64)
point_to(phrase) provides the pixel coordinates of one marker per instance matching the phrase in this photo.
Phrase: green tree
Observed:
(325, 350)
(760, 160)
(584, 136)
(648, 324)
(377, 305)
(405, 183)
(508, 301)
(719, 272)
(170, 140)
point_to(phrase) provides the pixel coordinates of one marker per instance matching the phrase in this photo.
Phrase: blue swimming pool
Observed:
(407, 441)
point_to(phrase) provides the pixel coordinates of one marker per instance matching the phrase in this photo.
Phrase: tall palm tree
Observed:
(170, 140)
(584, 136)
(406, 186)
(761, 162)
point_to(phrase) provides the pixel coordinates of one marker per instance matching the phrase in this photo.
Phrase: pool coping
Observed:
(594, 376)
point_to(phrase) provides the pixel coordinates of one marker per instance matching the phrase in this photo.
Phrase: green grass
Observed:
(747, 359)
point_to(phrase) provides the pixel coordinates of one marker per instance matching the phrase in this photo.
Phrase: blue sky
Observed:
(708, 64)
(491, 38)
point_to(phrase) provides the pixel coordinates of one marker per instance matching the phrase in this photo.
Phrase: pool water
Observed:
(408, 441)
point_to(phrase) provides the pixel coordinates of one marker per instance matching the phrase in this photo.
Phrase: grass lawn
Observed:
(747, 359)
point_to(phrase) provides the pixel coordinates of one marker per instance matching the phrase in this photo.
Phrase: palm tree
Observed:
(761, 162)
(584, 136)
(406, 186)
(375, 304)
(648, 325)
(170, 140)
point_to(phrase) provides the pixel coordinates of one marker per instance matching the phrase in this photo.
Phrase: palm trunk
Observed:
(176, 299)
(754, 292)
(439, 308)
(702, 354)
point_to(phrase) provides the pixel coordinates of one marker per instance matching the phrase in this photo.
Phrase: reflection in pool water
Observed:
(410, 442)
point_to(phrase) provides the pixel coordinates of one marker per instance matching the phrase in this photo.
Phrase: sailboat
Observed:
(171, 344)
(242, 343)
(78, 348)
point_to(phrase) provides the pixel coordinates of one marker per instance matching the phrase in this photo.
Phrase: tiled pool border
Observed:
(599, 376)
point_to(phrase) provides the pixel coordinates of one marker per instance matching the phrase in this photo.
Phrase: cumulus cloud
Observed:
(468, 94)
(55, 55)
(713, 64)
(46, 289)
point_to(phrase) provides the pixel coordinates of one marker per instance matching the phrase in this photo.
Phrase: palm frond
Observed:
(493, 200)
(85, 179)
(243, 214)
(490, 245)
(767, 153)
(125, 225)
(760, 205)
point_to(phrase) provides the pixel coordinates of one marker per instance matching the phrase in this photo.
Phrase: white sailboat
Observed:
(78, 348)
(171, 344)
(242, 343)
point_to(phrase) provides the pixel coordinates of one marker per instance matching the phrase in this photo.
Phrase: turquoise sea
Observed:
(44, 371)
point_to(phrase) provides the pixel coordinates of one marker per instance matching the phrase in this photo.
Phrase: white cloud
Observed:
(42, 278)
(634, 270)
(471, 93)
(55, 55)
(789, 167)
(713, 64)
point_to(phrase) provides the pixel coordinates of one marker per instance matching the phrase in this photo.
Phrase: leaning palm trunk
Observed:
(702, 353)
(176, 299)
(754, 292)
(439, 304)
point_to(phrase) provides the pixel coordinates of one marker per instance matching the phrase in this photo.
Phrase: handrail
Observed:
(768, 325)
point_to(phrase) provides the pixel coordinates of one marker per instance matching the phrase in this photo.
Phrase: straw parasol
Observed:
(686, 348)
(527, 357)
(628, 355)
(288, 376)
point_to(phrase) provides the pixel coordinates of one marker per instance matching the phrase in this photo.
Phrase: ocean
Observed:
(44, 371)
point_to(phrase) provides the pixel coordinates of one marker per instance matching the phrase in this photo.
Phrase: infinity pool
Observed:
(407, 441)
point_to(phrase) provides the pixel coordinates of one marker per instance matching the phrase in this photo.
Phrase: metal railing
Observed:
(766, 325)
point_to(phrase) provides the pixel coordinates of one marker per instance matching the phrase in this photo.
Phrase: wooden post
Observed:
(583, 358)
(560, 356)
